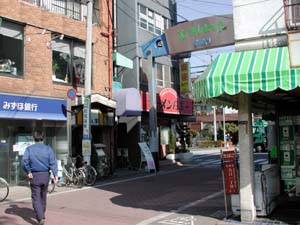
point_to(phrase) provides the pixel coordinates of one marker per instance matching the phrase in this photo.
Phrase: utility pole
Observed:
(153, 136)
(86, 138)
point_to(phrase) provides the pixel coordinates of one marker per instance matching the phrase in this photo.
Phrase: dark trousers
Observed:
(39, 188)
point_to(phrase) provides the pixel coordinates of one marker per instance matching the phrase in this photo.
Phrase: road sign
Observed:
(71, 93)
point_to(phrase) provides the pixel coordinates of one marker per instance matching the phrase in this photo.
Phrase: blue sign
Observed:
(24, 107)
(158, 46)
(71, 93)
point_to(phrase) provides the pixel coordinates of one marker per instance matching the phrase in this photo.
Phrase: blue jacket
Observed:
(39, 158)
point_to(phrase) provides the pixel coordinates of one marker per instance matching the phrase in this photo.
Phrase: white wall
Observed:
(258, 18)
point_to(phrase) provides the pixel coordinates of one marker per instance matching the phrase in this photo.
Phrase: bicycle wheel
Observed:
(4, 189)
(78, 178)
(51, 185)
(90, 175)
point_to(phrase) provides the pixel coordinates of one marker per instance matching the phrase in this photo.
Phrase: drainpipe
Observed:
(109, 30)
(114, 35)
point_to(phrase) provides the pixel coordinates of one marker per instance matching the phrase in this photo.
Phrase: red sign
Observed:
(229, 155)
(169, 102)
(230, 172)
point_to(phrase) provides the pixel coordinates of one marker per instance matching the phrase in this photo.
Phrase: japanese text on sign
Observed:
(230, 172)
(20, 106)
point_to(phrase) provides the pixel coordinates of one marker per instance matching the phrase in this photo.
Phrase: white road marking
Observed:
(180, 209)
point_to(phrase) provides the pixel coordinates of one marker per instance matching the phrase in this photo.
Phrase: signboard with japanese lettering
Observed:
(147, 155)
(86, 118)
(230, 172)
(184, 69)
(204, 33)
(169, 102)
(25, 107)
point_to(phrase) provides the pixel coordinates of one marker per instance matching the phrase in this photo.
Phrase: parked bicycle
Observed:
(4, 189)
(90, 174)
(89, 171)
(72, 175)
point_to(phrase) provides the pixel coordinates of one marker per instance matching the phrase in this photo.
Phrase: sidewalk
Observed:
(22, 192)
(284, 215)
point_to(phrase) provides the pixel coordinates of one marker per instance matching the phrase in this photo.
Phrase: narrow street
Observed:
(180, 196)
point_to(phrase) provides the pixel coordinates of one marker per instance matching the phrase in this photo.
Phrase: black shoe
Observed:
(42, 221)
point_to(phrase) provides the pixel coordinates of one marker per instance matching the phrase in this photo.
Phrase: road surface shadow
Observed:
(25, 213)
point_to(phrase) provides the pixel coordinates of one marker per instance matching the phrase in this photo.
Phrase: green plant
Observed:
(55, 67)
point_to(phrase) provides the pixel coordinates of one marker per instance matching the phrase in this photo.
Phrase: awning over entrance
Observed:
(128, 102)
(249, 72)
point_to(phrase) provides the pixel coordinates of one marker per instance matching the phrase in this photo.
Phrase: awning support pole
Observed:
(248, 210)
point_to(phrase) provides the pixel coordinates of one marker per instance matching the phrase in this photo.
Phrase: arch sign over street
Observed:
(196, 35)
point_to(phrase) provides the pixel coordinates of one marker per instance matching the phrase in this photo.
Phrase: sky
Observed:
(195, 9)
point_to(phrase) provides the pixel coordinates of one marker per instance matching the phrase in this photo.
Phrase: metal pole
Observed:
(215, 124)
(153, 138)
(86, 141)
(224, 129)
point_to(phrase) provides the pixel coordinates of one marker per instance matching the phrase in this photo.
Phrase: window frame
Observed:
(14, 32)
(71, 55)
(151, 21)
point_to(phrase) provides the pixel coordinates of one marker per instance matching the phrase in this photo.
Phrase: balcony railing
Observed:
(71, 8)
(292, 14)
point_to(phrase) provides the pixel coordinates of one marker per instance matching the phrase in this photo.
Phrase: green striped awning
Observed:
(248, 71)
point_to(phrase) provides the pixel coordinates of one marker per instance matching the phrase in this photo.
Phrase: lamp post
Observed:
(86, 137)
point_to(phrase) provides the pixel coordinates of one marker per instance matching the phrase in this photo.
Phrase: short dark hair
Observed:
(38, 136)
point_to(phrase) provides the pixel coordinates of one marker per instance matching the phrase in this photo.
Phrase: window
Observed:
(11, 49)
(164, 76)
(74, 9)
(295, 7)
(159, 76)
(68, 57)
(151, 21)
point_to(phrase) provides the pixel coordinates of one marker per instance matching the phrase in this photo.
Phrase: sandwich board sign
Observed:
(148, 156)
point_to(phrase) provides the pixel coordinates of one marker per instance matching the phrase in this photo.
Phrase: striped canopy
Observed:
(248, 71)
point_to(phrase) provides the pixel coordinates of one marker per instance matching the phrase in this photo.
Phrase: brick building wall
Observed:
(37, 79)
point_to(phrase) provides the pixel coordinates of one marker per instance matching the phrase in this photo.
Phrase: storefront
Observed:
(171, 109)
(102, 122)
(259, 81)
(20, 116)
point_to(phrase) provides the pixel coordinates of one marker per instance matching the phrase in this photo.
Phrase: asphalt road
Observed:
(185, 195)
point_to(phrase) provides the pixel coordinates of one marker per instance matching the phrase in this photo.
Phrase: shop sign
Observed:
(204, 33)
(86, 118)
(169, 102)
(25, 107)
(184, 70)
(86, 147)
(229, 164)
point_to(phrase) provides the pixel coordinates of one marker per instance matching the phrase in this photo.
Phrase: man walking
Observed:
(38, 160)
